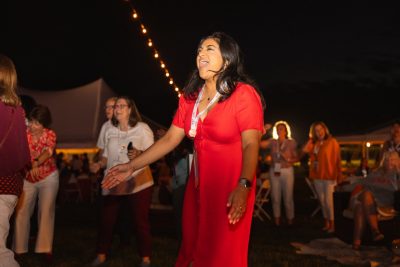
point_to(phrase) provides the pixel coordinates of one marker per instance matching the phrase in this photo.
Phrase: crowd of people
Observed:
(206, 162)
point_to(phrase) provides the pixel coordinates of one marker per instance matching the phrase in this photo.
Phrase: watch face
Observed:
(246, 183)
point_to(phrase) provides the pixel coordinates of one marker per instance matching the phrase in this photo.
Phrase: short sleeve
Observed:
(100, 140)
(51, 140)
(105, 148)
(249, 111)
(147, 137)
(180, 115)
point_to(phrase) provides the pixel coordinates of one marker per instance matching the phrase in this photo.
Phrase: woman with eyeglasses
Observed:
(40, 184)
(109, 111)
(128, 137)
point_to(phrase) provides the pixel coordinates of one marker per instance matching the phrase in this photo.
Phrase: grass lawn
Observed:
(75, 238)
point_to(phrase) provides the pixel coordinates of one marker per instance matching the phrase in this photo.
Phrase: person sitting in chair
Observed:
(373, 195)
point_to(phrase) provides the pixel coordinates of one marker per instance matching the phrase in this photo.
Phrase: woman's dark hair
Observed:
(134, 116)
(229, 76)
(41, 114)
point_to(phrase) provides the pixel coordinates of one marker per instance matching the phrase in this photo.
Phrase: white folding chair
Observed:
(262, 197)
(314, 196)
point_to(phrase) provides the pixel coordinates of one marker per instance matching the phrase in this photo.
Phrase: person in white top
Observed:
(284, 155)
(109, 109)
(125, 141)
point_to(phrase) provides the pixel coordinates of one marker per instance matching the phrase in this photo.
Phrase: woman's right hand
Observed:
(116, 175)
(35, 173)
(133, 153)
(308, 146)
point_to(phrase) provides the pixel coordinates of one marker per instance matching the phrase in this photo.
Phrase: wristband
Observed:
(245, 183)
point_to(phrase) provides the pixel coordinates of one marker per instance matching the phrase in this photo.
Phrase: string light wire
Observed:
(150, 43)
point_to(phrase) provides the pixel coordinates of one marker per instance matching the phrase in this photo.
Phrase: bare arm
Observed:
(250, 146)
(237, 200)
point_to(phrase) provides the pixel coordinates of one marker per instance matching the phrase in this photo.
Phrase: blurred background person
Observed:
(393, 144)
(181, 165)
(137, 192)
(374, 192)
(41, 184)
(109, 111)
(14, 153)
(283, 151)
(363, 169)
(325, 168)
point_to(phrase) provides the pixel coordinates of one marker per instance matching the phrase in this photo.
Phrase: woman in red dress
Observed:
(223, 113)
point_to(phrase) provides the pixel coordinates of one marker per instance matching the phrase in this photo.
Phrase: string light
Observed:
(150, 44)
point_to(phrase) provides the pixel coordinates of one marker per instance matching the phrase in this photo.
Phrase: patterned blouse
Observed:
(46, 141)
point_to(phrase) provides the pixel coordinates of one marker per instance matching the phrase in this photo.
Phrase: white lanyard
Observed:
(195, 119)
(317, 148)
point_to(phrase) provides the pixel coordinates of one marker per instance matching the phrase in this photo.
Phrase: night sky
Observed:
(339, 64)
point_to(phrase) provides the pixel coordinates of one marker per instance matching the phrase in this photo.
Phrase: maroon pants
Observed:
(139, 206)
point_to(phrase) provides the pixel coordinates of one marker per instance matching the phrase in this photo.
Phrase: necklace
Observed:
(195, 118)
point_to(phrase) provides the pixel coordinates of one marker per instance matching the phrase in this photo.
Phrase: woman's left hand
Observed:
(237, 201)
(35, 174)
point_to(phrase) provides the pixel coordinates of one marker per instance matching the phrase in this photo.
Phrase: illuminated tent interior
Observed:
(77, 114)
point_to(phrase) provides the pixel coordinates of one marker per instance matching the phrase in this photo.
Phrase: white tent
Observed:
(77, 113)
(377, 136)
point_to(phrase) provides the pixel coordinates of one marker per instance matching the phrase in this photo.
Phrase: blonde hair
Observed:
(8, 82)
(287, 127)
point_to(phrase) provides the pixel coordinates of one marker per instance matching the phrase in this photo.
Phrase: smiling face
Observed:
(122, 110)
(35, 127)
(281, 131)
(209, 59)
(319, 132)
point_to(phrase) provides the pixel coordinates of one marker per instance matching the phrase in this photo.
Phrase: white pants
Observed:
(282, 185)
(325, 190)
(46, 191)
(7, 205)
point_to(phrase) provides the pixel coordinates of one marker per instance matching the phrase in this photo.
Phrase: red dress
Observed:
(208, 238)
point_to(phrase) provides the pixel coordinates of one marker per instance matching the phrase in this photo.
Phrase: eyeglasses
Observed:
(109, 107)
(120, 106)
